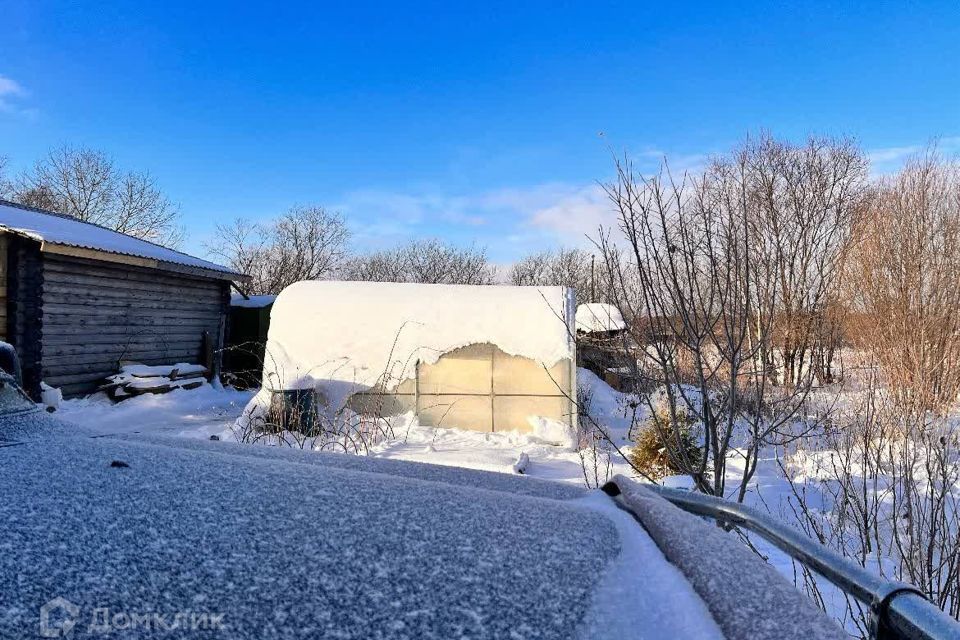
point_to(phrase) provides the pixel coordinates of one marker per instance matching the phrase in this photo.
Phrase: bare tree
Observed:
(905, 272)
(85, 184)
(4, 181)
(305, 243)
(803, 201)
(425, 261)
(707, 292)
(562, 267)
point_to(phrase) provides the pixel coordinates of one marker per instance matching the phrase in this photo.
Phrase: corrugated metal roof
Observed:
(60, 229)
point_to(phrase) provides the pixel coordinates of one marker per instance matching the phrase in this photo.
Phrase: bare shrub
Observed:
(423, 261)
(345, 416)
(883, 493)
(882, 487)
(86, 185)
(905, 271)
(706, 285)
(804, 201)
(573, 268)
(5, 185)
(313, 425)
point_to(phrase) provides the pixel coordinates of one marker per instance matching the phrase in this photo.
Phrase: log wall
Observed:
(96, 314)
(24, 279)
(3, 287)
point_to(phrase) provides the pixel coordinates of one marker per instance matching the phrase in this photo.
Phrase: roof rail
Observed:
(897, 610)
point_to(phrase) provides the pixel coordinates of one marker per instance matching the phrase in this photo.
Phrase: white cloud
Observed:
(9, 87)
(10, 92)
(885, 160)
(576, 218)
(892, 154)
(510, 222)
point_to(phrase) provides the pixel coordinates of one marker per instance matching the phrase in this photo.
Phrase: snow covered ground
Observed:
(207, 411)
(201, 413)
(197, 413)
(621, 602)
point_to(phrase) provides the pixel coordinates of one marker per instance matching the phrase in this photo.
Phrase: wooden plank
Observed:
(100, 309)
(131, 319)
(80, 333)
(182, 353)
(72, 265)
(80, 252)
(106, 310)
(119, 323)
(72, 380)
(97, 284)
(59, 272)
(55, 302)
(55, 380)
(68, 336)
(60, 266)
(75, 350)
(103, 369)
(82, 299)
(168, 356)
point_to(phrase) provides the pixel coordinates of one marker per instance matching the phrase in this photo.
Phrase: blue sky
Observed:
(484, 123)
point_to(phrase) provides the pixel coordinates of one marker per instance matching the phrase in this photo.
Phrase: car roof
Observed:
(277, 542)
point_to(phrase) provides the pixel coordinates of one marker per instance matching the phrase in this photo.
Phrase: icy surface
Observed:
(56, 229)
(33, 425)
(599, 316)
(346, 335)
(286, 549)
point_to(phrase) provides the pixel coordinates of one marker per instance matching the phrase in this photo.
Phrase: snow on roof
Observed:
(345, 335)
(598, 316)
(251, 302)
(55, 228)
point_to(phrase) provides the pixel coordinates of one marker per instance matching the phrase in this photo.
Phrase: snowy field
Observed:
(211, 411)
(207, 411)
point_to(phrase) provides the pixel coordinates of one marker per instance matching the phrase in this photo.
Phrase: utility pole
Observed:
(593, 280)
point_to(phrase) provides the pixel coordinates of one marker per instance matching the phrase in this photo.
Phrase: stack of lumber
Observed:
(136, 379)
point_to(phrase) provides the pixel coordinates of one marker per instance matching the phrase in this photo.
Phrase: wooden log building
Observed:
(76, 299)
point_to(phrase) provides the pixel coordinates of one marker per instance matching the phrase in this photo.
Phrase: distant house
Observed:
(601, 340)
(77, 298)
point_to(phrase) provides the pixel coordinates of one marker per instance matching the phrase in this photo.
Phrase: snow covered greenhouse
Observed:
(487, 358)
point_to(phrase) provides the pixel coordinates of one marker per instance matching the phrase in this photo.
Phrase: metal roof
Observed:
(59, 229)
